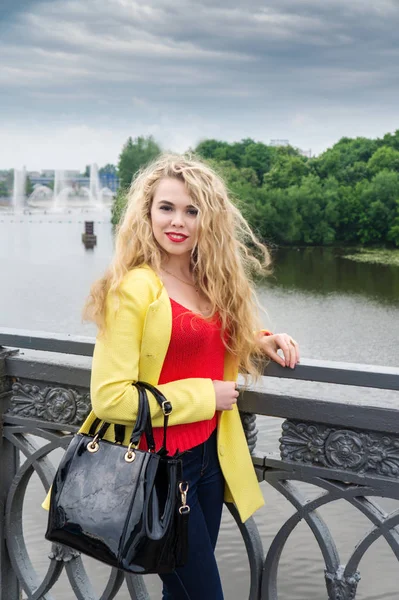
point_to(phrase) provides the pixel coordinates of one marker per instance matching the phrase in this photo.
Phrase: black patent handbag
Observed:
(121, 505)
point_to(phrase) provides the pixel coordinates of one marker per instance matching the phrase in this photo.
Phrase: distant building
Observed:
(109, 180)
(74, 178)
(279, 143)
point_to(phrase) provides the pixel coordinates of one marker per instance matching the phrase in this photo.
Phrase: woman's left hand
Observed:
(271, 343)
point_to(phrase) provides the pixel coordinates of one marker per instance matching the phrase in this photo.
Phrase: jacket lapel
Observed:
(157, 332)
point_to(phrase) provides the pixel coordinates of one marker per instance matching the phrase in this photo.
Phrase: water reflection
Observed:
(323, 271)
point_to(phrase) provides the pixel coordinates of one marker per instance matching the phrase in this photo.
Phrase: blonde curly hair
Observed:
(224, 261)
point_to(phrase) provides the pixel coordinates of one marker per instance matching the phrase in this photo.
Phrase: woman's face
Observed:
(174, 219)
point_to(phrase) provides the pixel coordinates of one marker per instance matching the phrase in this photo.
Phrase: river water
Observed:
(337, 310)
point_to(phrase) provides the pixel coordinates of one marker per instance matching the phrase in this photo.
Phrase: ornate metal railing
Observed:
(345, 443)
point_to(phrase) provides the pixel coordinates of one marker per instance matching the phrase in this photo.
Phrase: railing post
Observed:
(9, 461)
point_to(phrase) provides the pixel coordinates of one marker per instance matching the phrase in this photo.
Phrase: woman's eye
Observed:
(165, 207)
(193, 212)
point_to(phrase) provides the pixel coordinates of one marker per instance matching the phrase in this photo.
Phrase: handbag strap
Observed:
(119, 433)
(166, 406)
(143, 424)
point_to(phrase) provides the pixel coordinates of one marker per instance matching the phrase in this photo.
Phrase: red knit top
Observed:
(195, 349)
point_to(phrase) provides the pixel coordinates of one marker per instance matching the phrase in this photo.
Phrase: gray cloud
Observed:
(288, 65)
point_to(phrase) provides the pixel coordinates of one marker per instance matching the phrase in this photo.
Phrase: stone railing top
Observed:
(363, 375)
(344, 394)
(64, 343)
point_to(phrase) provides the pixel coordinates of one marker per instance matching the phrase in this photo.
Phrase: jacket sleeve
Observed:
(116, 366)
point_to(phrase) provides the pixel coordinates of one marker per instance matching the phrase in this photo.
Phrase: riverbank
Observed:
(380, 256)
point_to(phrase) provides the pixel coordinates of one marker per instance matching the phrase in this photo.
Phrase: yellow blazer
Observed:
(133, 348)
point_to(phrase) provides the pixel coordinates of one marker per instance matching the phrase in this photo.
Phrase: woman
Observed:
(176, 309)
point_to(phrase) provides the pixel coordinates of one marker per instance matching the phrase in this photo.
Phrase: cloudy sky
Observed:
(77, 77)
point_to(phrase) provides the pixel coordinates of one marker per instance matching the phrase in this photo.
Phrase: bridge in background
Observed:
(109, 180)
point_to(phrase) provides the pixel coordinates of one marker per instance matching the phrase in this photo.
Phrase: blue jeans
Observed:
(199, 578)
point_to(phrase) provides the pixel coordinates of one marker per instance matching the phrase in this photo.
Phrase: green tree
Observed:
(258, 157)
(339, 160)
(108, 169)
(3, 189)
(223, 151)
(384, 158)
(208, 148)
(28, 187)
(379, 205)
(136, 154)
(237, 150)
(349, 210)
(317, 211)
(118, 205)
(354, 173)
(287, 170)
(279, 220)
(391, 140)
(393, 233)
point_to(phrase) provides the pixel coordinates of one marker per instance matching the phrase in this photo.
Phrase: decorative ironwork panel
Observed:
(359, 451)
(52, 404)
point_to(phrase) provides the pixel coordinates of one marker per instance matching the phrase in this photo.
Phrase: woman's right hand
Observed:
(226, 394)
